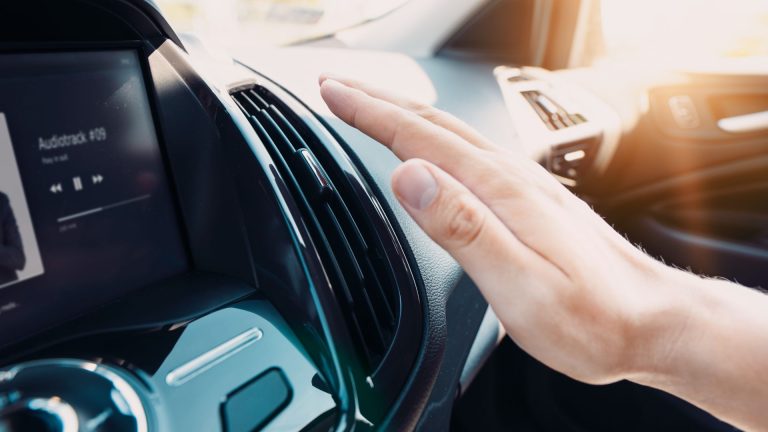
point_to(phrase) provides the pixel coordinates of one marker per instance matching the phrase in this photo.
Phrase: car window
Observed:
(685, 31)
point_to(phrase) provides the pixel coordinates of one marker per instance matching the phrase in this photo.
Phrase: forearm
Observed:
(714, 353)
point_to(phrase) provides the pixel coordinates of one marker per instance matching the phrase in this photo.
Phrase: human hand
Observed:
(567, 288)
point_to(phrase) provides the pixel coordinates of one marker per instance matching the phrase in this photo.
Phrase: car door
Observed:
(690, 184)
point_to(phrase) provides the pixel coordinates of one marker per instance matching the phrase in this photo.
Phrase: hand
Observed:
(568, 289)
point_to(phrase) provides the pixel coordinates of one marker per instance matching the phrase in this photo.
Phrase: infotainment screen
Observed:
(86, 212)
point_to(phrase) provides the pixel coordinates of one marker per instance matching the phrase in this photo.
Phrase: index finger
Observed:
(405, 133)
(438, 117)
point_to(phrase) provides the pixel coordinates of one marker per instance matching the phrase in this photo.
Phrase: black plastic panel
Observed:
(255, 403)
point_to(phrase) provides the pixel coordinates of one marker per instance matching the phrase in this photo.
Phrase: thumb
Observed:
(460, 223)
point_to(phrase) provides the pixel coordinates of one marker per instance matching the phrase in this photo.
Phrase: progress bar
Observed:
(102, 208)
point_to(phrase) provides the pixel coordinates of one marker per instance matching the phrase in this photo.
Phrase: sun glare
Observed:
(266, 23)
(677, 32)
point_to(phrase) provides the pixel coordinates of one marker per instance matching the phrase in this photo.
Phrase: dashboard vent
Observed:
(349, 247)
(550, 112)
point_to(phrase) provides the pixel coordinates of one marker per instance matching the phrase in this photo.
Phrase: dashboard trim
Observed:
(212, 357)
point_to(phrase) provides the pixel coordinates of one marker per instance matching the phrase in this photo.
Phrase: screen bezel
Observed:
(143, 50)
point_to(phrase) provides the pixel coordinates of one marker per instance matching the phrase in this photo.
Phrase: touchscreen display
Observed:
(86, 212)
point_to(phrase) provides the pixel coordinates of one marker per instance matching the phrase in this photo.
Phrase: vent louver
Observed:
(348, 245)
(550, 112)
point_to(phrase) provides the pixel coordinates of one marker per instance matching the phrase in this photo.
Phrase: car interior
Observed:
(191, 241)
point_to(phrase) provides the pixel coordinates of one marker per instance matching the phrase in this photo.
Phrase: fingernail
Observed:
(328, 76)
(415, 185)
(332, 85)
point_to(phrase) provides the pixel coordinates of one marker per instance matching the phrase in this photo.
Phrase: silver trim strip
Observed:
(745, 123)
(211, 358)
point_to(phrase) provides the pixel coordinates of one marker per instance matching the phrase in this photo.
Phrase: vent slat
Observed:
(554, 116)
(351, 256)
(380, 302)
(378, 333)
(278, 136)
(357, 327)
(287, 127)
(258, 100)
(358, 271)
(357, 236)
(250, 102)
(264, 135)
(386, 313)
(368, 316)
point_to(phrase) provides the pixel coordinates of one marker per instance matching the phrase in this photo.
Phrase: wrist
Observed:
(707, 346)
(667, 325)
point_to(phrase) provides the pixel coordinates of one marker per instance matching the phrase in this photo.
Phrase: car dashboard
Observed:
(207, 249)
(190, 240)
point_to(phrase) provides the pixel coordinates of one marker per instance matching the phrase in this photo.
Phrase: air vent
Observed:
(349, 247)
(550, 112)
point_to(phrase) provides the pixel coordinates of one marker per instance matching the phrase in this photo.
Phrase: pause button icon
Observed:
(77, 183)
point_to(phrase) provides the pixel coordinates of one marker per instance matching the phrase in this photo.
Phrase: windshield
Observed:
(258, 23)
(685, 32)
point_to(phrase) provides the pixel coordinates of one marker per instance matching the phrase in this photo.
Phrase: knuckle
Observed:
(464, 221)
(524, 179)
(427, 112)
(409, 123)
(400, 132)
(505, 181)
(417, 106)
(403, 131)
(354, 117)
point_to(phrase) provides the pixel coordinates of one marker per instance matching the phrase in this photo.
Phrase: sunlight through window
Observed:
(686, 31)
